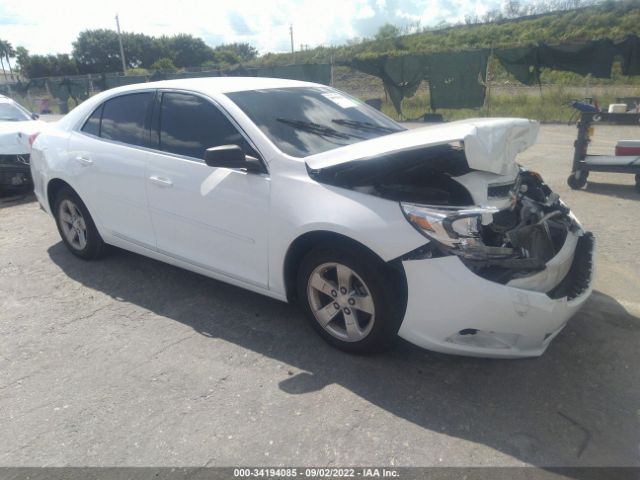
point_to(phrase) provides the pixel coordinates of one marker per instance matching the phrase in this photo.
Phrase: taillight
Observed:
(32, 138)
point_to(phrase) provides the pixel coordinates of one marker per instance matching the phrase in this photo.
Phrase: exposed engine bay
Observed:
(502, 231)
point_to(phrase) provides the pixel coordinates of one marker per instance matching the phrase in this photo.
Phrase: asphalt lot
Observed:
(130, 362)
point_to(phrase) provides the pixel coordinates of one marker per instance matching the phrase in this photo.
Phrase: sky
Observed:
(47, 26)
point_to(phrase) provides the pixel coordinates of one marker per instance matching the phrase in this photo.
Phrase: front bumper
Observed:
(452, 310)
(15, 171)
(15, 176)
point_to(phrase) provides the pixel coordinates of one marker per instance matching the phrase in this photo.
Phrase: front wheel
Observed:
(350, 299)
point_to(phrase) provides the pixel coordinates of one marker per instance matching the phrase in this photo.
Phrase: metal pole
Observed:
(487, 80)
(331, 70)
(124, 63)
(291, 35)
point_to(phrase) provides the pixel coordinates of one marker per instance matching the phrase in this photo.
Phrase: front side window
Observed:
(303, 121)
(190, 124)
(123, 118)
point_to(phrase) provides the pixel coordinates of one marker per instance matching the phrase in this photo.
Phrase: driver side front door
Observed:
(213, 218)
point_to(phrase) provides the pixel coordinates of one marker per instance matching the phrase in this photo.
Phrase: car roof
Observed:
(219, 84)
(210, 86)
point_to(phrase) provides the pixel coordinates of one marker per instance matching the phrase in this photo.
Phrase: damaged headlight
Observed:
(456, 229)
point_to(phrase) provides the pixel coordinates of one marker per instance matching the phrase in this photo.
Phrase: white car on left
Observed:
(18, 128)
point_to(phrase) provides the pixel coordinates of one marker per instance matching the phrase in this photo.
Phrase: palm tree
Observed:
(9, 52)
(3, 49)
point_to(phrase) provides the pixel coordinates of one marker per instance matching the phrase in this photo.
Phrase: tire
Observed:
(638, 182)
(360, 315)
(578, 179)
(76, 227)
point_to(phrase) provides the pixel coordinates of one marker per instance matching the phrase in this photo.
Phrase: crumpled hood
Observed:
(490, 144)
(14, 136)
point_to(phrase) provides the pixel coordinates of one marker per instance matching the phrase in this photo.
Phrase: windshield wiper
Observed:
(363, 125)
(312, 127)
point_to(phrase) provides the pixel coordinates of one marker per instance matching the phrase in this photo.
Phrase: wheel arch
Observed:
(304, 243)
(53, 187)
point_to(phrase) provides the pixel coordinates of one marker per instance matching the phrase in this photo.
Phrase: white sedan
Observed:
(17, 125)
(303, 193)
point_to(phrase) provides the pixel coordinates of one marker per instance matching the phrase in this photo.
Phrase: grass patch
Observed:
(549, 104)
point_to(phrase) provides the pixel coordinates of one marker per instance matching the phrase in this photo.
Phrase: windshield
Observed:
(12, 113)
(303, 121)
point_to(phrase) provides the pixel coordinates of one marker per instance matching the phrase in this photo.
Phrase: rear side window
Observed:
(123, 118)
(190, 124)
(92, 125)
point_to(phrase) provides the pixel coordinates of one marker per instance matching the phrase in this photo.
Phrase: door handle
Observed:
(160, 181)
(84, 160)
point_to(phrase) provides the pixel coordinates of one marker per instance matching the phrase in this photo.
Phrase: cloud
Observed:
(264, 24)
(239, 24)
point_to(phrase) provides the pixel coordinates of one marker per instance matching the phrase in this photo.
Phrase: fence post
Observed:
(487, 80)
(331, 70)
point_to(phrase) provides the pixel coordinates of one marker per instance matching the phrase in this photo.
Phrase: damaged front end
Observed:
(464, 191)
(15, 171)
(530, 244)
(505, 263)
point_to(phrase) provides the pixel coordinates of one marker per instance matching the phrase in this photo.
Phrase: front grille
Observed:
(500, 191)
(577, 279)
(12, 160)
(14, 174)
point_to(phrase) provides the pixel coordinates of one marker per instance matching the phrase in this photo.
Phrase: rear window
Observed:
(123, 118)
(92, 125)
(12, 113)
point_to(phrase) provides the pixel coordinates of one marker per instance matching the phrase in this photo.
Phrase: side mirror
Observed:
(231, 156)
(35, 116)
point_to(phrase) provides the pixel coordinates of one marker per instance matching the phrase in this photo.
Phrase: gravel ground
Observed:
(130, 362)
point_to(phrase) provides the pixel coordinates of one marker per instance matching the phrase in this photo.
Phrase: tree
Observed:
(22, 57)
(3, 48)
(387, 32)
(36, 66)
(62, 65)
(186, 50)
(244, 52)
(7, 51)
(97, 51)
(141, 50)
(165, 64)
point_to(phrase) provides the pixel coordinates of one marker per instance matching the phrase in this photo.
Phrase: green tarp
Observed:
(521, 62)
(63, 88)
(629, 49)
(401, 76)
(595, 58)
(457, 80)
(524, 63)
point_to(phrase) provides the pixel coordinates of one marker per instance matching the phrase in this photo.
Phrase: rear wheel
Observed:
(76, 226)
(350, 299)
(638, 182)
(577, 179)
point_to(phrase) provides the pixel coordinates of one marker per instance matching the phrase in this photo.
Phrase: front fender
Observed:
(300, 205)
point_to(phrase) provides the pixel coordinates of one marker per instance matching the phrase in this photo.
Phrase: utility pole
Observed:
(124, 63)
(291, 34)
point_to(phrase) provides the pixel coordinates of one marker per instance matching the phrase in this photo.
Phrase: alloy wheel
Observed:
(341, 302)
(73, 225)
